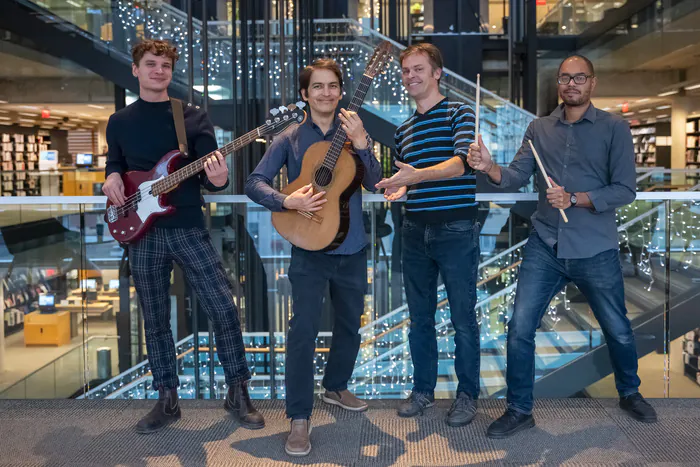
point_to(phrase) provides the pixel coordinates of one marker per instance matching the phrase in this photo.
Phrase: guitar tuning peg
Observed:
(301, 104)
(274, 112)
(283, 109)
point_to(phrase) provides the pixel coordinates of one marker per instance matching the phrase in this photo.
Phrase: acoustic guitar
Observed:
(330, 166)
(146, 192)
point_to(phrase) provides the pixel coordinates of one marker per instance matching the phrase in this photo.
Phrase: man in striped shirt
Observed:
(440, 231)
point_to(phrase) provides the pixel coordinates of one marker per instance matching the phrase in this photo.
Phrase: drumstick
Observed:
(478, 96)
(546, 177)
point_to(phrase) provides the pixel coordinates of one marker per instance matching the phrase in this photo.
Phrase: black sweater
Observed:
(139, 135)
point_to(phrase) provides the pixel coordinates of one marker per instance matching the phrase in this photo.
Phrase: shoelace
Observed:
(420, 399)
(461, 403)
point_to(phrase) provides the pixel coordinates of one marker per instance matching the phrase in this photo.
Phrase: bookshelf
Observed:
(692, 143)
(20, 163)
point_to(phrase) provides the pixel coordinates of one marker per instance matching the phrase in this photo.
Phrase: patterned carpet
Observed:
(568, 432)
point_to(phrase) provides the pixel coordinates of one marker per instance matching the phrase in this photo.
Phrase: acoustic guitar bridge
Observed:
(311, 216)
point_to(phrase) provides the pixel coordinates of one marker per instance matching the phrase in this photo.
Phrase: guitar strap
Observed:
(179, 117)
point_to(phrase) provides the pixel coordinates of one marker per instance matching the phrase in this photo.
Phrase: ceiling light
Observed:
(669, 93)
(662, 116)
(3, 102)
(26, 114)
(643, 100)
(662, 107)
(690, 88)
(30, 107)
(26, 120)
(627, 114)
(643, 111)
(5, 118)
(607, 108)
(99, 106)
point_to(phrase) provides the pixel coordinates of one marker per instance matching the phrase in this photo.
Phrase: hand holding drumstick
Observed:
(555, 194)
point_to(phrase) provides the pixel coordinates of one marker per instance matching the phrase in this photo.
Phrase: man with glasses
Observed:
(589, 156)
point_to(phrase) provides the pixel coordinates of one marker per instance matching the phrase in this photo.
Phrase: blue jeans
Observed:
(542, 275)
(452, 250)
(311, 273)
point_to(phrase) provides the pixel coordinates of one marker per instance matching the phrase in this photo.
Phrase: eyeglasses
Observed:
(578, 79)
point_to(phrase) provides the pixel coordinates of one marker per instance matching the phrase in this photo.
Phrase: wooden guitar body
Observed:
(325, 229)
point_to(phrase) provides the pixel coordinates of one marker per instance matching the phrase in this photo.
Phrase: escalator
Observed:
(99, 37)
(571, 350)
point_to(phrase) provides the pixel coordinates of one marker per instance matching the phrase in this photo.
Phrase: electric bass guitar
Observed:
(146, 192)
(329, 166)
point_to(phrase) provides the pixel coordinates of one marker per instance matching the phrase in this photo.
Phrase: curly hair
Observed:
(156, 47)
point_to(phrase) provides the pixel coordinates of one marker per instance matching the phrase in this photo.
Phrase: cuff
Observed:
(211, 187)
(599, 204)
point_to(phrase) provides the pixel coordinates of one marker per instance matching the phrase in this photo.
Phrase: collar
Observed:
(310, 122)
(589, 115)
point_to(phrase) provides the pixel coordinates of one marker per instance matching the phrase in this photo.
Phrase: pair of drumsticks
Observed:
(534, 151)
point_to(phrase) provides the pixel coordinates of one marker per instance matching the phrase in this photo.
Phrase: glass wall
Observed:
(73, 324)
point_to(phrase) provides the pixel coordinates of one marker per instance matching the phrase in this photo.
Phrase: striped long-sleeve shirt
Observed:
(427, 139)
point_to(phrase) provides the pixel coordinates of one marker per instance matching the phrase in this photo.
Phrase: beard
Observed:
(574, 100)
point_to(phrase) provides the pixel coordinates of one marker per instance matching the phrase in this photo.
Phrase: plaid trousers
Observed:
(151, 260)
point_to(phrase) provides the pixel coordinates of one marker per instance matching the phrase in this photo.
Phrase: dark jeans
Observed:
(452, 250)
(542, 275)
(310, 274)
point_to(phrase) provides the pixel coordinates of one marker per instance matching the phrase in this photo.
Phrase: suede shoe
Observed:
(510, 423)
(638, 408)
(463, 410)
(416, 404)
(344, 399)
(298, 442)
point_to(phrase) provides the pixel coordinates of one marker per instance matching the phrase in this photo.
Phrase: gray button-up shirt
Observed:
(593, 155)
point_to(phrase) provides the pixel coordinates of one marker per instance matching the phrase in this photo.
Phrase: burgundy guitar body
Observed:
(135, 221)
(146, 192)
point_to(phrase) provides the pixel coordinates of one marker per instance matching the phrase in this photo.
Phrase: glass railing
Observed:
(67, 375)
(658, 179)
(571, 17)
(656, 18)
(123, 23)
(47, 246)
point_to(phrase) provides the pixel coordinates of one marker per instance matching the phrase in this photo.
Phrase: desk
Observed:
(92, 308)
(47, 329)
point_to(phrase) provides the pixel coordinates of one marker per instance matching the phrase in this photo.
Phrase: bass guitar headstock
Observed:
(282, 118)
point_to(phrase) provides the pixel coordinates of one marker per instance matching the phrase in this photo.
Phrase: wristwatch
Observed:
(573, 199)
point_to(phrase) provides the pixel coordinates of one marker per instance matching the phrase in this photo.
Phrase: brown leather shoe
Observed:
(239, 404)
(344, 399)
(298, 442)
(166, 411)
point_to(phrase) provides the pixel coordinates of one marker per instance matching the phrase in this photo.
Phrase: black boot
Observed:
(239, 404)
(166, 411)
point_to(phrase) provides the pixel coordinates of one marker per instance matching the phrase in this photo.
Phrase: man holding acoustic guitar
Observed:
(440, 231)
(138, 136)
(343, 267)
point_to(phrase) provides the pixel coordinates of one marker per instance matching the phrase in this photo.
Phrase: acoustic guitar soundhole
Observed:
(323, 176)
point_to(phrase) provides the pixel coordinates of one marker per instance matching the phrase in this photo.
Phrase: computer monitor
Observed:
(114, 284)
(89, 284)
(83, 160)
(48, 160)
(47, 302)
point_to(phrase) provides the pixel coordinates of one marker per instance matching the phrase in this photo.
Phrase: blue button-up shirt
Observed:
(594, 155)
(289, 149)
